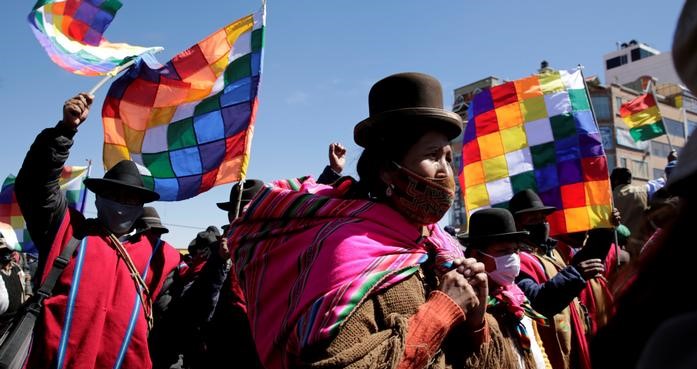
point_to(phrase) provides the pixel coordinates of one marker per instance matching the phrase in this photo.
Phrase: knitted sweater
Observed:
(401, 328)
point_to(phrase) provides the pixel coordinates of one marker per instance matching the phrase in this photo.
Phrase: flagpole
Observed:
(110, 75)
(84, 188)
(120, 69)
(238, 202)
(612, 201)
(655, 99)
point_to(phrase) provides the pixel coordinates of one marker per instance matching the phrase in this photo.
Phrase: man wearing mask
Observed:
(100, 312)
(551, 286)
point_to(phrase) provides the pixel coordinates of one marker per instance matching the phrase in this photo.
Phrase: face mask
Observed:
(507, 268)
(539, 233)
(117, 217)
(420, 199)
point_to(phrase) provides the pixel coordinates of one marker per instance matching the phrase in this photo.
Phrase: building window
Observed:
(601, 106)
(639, 53)
(691, 126)
(657, 173)
(623, 163)
(640, 169)
(618, 104)
(674, 127)
(616, 62)
(660, 149)
(689, 103)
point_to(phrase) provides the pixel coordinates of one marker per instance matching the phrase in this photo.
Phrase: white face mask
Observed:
(117, 217)
(507, 268)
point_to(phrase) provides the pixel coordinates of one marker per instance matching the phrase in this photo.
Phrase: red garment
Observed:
(532, 266)
(104, 302)
(597, 296)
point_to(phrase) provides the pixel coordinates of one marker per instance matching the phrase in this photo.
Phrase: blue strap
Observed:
(68, 320)
(134, 314)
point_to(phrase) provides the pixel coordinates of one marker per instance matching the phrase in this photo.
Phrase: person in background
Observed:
(495, 242)
(13, 281)
(551, 285)
(631, 201)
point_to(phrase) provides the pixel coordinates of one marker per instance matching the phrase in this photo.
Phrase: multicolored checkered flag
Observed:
(538, 133)
(70, 183)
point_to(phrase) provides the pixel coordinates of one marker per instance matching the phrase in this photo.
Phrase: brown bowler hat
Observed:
(405, 99)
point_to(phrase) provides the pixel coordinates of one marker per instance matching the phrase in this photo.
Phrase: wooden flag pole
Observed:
(110, 75)
(612, 202)
(238, 202)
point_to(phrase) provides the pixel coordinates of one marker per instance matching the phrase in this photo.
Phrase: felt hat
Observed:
(123, 176)
(491, 225)
(527, 201)
(151, 219)
(403, 101)
(206, 238)
(5, 255)
(250, 188)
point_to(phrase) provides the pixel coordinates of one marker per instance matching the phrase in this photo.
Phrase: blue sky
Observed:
(321, 59)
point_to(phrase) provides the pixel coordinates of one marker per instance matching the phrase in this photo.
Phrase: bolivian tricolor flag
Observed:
(642, 117)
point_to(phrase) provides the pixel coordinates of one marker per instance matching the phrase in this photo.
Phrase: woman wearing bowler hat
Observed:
(357, 274)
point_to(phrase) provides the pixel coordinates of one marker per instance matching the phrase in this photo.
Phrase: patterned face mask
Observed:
(422, 200)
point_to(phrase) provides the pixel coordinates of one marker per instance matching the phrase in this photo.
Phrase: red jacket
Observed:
(84, 323)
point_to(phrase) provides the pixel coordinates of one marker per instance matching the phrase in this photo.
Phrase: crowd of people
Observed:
(356, 273)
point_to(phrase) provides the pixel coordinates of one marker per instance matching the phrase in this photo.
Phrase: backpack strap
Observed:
(46, 289)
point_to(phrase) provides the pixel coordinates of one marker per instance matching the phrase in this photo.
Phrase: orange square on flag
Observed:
(598, 193)
(509, 116)
(215, 46)
(528, 87)
(576, 219)
(473, 174)
(490, 145)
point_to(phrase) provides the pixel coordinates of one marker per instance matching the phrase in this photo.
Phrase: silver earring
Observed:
(388, 190)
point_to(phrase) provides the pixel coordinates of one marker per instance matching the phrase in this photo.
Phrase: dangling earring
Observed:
(388, 190)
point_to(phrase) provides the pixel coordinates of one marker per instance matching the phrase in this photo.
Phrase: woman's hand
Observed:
(476, 276)
(455, 285)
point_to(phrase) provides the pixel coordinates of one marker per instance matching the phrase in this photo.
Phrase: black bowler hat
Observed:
(151, 220)
(491, 225)
(402, 101)
(250, 189)
(123, 176)
(206, 238)
(527, 201)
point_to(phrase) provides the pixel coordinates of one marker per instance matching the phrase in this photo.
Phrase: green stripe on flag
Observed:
(648, 131)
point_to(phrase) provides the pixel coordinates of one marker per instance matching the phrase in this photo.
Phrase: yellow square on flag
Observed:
(476, 196)
(514, 139)
(599, 216)
(533, 108)
(551, 82)
(490, 146)
(495, 168)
